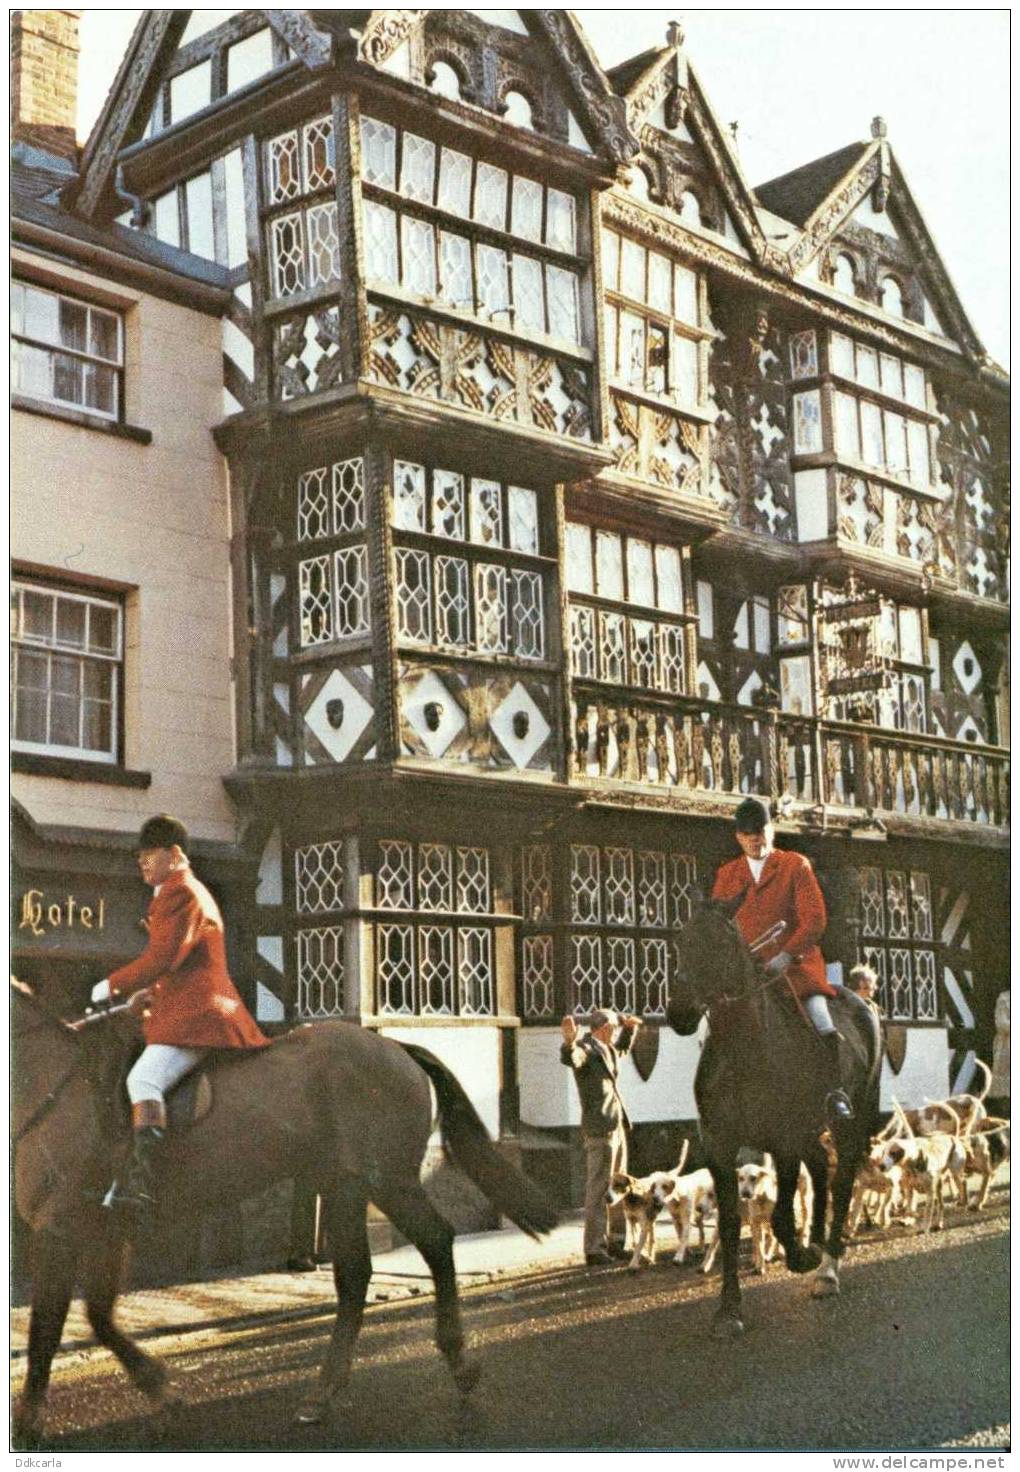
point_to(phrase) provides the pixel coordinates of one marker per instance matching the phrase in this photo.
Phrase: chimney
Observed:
(44, 79)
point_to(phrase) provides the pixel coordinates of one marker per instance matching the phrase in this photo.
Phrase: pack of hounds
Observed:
(914, 1161)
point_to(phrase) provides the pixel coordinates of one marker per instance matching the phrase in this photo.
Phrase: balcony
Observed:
(683, 744)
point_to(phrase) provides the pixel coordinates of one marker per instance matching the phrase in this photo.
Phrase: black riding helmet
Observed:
(163, 831)
(753, 815)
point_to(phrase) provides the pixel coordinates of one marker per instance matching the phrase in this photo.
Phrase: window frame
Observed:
(481, 234)
(116, 365)
(100, 598)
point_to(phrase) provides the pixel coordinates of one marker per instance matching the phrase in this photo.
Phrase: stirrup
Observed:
(123, 1196)
(838, 1108)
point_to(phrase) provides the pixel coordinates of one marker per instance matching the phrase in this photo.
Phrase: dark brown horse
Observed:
(761, 1083)
(353, 1108)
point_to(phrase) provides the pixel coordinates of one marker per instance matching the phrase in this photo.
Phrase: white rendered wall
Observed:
(925, 1071)
(472, 1053)
(549, 1095)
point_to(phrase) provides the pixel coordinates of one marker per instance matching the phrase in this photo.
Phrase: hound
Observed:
(924, 1164)
(642, 1201)
(691, 1200)
(987, 1151)
(756, 1191)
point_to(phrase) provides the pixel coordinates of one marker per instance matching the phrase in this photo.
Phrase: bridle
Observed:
(763, 982)
(50, 1021)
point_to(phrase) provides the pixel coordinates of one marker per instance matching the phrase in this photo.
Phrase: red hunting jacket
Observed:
(194, 1002)
(788, 891)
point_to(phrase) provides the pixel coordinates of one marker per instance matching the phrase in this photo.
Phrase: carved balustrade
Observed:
(918, 776)
(691, 744)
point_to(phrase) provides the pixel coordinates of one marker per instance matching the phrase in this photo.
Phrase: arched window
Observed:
(690, 207)
(844, 276)
(517, 110)
(638, 183)
(444, 80)
(892, 296)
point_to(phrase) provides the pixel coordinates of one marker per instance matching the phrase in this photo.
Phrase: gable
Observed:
(867, 239)
(687, 164)
(532, 70)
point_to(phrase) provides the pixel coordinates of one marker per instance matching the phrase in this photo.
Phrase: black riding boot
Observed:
(838, 1108)
(137, 1191)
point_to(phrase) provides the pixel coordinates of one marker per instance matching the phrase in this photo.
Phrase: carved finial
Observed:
(675, 34)
(878, 128)
(735, 129)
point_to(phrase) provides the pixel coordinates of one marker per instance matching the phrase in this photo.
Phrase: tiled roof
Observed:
(796, 196)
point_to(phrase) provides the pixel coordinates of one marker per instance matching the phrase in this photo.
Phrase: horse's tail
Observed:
(872, 1032)
(467, 1141)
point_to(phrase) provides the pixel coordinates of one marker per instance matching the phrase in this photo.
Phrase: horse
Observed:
(351, 1106)
(761, 1083)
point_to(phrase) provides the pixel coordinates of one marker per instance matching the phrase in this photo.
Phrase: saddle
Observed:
(187, 1102)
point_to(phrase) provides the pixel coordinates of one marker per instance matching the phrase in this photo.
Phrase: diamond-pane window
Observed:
(538, 996)
(490, 607)
(559, 222)
(447, 504)
(319, 877)
(455, 286)
(284, 172)
(349, 495)
(585, 887)
(651, 889)
(561, 290)
(409, 496)
(486, 512)
(455, 183)
(654, 974)
(435, 970)
(920, 905)
(523, 507)
(643, 663)
(414, 595)
(683, 883)
(582, 643)
(419, 253)
(872, 902)
(380, 242)
(474, 971)
(803, 355)
(620, 989)
(320, 972)
(288, 254)
(613, 627)
(529, 302)
(671, 656)
(585, 972)
(619, 886)
(351, 592)
(313, 505)
(379, 153)
(926, 1001)
(418, 168)
(323, 244)
(435, 876)
(394, 881)
(453, 606)
(526, 212)
(316, 598)
(320, 155)
(493, 280)
(536, 882)
(527, 616)
(473, 881)
(896, 903)
(490, 196)
(395, 947)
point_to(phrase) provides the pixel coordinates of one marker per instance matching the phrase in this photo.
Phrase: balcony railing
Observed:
(684, 743)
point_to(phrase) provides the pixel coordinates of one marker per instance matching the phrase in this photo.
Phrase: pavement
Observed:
(278, 1297)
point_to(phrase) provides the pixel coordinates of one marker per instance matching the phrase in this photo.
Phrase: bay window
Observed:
(653, 322)
(444, 226)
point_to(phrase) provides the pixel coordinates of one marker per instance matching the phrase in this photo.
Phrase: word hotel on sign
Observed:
(37, 916)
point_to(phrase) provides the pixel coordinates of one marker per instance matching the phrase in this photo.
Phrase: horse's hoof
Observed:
(317, 1409)
(825, 1287)
(26, 1429)
(466, 1374)
(727, 1324)
(803, 1259)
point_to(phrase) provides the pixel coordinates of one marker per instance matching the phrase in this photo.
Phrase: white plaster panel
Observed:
(472, 1053)
(925, 1071)
(549, 1095)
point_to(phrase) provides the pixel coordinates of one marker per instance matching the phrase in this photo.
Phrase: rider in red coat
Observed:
(772, 887)
(181, 980)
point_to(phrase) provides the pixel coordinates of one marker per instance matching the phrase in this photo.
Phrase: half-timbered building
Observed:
(576, 488)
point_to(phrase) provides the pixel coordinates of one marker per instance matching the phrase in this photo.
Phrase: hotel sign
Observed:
(41, 914)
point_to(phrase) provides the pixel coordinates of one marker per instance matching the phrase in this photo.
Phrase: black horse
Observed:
(761, 1083)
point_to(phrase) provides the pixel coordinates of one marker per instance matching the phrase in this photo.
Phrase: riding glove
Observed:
(101, 991)
(778, 964)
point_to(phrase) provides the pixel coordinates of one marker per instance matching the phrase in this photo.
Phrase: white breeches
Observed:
(158, 1069)
(817, 1008)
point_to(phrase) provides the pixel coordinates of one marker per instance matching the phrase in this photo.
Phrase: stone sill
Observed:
(82, 419)
(38, 764)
